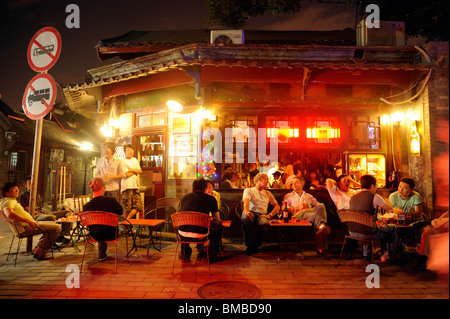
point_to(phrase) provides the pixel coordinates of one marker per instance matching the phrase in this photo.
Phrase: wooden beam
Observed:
(150, 82)
(230, 73)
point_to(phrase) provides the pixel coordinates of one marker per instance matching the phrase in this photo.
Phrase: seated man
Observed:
(405, 198)
(368, 201)
(201, 202)
(254, 215)
(99, 202)
(340, 191)
(39, 214)
(14, 211)
(306, 207)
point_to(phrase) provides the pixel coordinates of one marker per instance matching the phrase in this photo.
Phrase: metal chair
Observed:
(20, 232)
(168, 206)
(224, 210)
(172, 204)
(357, 217)
(98, 218)
(184, 237)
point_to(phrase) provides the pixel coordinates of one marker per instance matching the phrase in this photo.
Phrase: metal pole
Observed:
(35, 173)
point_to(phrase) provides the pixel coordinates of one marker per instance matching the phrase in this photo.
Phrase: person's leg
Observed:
(367, 248)
(248, 231)
(102, 248)
(389, 238)
(262, 225)
(52, 231)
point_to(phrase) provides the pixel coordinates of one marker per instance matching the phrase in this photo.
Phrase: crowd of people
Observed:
(115, 179)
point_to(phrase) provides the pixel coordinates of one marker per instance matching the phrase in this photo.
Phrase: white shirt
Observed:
(113, 167)
(132, 181)
(340, 198)
(295, 200)
(259, 200)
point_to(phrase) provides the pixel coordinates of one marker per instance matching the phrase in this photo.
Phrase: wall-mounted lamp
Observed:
(174, 106)
(397, 118)
(85, 146)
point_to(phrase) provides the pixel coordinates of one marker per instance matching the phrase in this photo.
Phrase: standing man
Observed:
(111, 169)
(368, 201)
(131, 197)
(306, 207)
(256, 201)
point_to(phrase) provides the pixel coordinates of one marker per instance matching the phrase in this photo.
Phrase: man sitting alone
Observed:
(15, 212)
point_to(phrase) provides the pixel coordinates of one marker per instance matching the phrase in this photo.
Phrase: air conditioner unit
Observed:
(227, 37)
(390, 33)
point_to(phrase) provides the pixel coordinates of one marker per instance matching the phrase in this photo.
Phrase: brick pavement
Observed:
(287, 277)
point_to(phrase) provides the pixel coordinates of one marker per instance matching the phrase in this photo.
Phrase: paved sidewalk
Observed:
(287, 277)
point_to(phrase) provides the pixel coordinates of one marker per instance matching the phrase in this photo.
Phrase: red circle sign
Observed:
(44, 49)
(39, 96)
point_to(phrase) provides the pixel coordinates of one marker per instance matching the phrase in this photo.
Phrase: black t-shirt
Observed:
(198, 202)
(105, 204)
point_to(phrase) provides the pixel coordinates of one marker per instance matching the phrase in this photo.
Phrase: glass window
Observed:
(364, 133)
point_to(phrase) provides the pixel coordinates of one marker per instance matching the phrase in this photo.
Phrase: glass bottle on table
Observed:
(285, 212)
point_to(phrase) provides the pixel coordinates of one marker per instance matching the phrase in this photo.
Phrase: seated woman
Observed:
(228, 179)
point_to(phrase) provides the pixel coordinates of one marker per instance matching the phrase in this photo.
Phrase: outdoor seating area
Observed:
(276, 272)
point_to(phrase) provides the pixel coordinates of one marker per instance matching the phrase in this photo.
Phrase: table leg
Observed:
(298, 242)
(150, 232)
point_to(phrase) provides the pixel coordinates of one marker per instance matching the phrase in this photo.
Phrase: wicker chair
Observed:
(192, 219)
(20, 232)
(91, 218)
(357, 217)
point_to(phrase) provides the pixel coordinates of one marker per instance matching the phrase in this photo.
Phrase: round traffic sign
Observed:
(39, 96)
(44, 49)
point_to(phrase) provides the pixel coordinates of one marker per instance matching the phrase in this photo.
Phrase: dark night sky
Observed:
(21, 19)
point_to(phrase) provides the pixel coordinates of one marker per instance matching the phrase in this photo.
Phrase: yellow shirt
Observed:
(217, 197)
(13, 204)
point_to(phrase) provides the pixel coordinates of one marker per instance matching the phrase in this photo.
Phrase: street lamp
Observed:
(85, 147)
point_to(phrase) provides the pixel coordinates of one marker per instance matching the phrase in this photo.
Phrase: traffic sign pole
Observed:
(35, 173)
(43, 52)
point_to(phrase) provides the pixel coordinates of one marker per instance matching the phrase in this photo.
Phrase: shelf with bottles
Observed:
(152, 145)
(149, 161)
(372, 164)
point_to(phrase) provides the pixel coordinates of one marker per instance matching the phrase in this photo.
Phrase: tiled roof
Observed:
(137, 43)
